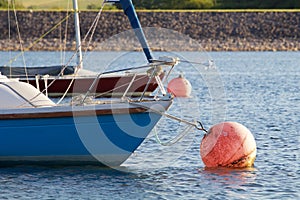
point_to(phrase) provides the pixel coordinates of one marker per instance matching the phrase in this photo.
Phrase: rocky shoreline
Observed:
(171, 31)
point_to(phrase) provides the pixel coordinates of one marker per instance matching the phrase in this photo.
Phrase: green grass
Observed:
(225, 10)
(67, 4)
(57, 4)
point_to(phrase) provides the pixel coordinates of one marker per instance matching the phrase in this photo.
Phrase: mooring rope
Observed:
(9, 36)
(174, 140)
(20, 40)
(196, 124)
(92, 28)
(64, 46)
(40, 38)
(72, 57)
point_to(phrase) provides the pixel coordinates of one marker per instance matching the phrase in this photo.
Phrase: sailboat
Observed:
(59, 80)
(35, 130)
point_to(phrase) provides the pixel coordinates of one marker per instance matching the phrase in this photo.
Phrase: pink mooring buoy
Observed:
(228, 144)
(180, 87)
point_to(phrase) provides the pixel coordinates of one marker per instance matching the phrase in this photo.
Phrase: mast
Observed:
(136, 26)
(77, 34)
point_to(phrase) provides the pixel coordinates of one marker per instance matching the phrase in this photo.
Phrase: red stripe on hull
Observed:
(107, 86)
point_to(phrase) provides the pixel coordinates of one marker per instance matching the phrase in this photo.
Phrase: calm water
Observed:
(258, 89)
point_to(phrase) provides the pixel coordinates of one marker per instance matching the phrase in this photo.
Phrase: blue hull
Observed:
(101, 139)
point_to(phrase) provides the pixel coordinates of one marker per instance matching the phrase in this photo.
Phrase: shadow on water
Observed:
(236, 176)
(61, 170)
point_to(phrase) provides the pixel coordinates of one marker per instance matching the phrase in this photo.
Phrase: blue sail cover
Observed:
(21, 72)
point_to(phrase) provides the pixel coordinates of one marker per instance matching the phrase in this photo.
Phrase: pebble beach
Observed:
(214, 30)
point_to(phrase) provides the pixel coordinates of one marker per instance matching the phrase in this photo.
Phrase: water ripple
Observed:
(262, 92)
